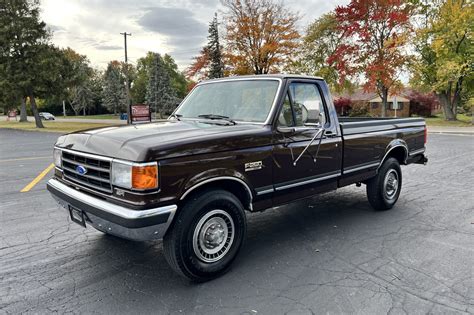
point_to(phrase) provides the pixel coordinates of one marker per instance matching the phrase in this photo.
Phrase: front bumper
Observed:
(139, 225)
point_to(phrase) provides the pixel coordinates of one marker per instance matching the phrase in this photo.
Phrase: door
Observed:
(316, 169)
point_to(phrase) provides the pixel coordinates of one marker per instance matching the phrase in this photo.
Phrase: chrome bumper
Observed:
(139, 225)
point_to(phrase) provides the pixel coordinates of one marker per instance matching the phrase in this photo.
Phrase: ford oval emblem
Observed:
(81, 170)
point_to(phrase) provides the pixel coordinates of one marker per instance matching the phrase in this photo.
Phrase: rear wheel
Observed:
(206, 235)
(384, 189)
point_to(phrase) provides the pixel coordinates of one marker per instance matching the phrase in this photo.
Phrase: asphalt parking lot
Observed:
(330, 254)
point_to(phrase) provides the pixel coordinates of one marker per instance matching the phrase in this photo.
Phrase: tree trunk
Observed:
(384, 101)
(445, 101)
(23, 114)
(84, 111)
(39, 123)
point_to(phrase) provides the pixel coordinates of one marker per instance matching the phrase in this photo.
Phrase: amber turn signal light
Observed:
(145, 177)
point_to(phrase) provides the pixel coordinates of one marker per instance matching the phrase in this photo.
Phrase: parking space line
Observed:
(27, 158)
(38, 178)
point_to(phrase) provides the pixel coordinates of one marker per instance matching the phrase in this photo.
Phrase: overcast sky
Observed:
(179, 27)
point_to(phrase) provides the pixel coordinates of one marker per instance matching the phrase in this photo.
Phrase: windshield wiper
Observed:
(176, 116)
(217, 117)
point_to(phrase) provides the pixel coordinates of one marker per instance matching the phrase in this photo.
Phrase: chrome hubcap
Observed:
(391, 184)
(213, 236)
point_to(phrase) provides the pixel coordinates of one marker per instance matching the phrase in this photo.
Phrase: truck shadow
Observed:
(283, 235)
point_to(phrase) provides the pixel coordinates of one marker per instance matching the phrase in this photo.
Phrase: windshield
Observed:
(239, 100)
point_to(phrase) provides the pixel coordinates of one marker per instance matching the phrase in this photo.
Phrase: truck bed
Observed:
(367, 140)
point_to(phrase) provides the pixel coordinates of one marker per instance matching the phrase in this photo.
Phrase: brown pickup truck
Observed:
(233, 145)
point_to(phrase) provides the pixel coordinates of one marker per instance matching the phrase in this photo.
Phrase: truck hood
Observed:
(169, 139)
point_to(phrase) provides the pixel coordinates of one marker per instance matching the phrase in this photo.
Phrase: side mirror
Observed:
(311, 114)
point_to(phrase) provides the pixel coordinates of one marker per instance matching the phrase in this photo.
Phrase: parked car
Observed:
(233, 145)
(47, 116)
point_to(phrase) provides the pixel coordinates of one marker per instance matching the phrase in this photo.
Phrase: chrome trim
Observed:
(411, 119)
(81, 183)
(86, 155)
(100, 169)
(107, 206)
(274, 104)
(187, 192)
(266, 191)
(417, 152)
(103, 180)
(398, 145)
(309, 181)
(364, 134)
(355, 169)
(133, 163)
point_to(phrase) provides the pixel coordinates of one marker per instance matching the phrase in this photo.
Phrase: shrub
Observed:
(360, 110)
(343, 106)
(422, 104)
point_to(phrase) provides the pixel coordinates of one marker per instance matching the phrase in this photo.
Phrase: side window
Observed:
(286, 115)
(306, 94)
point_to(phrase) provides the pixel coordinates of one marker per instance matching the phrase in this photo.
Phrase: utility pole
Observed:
(127, 84)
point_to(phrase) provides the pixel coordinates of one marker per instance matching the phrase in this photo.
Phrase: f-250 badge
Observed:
(253, 166)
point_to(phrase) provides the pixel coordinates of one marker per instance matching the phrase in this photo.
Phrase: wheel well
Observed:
(233, 186)
(399, 153)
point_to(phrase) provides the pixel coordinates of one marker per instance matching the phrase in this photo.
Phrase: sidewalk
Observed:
(451, 130)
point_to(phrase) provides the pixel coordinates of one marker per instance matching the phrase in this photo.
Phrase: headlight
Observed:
(57, 154)
(139, 176)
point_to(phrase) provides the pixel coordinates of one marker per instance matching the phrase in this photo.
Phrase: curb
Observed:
(464, 133)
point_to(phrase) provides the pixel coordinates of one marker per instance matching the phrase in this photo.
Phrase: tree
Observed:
(114, 97)
(159, 93)
(209, 64)
(199, 68)
(140, 82)
(82, 97)
(375, 34)
(178, 80)
(261, 35)
(77, 80)
(24, 44)
(445, 52)
(216, 64)
(322, 39)
(138, 90)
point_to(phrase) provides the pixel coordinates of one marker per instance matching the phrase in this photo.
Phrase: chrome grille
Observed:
(98, 170)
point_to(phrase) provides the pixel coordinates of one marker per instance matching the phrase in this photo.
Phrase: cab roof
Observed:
(270, 76)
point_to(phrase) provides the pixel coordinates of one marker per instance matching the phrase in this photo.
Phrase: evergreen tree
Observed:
(114, 94)
(159, 93)
(216, 65)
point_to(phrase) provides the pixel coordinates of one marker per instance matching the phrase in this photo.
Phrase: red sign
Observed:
(140, 113)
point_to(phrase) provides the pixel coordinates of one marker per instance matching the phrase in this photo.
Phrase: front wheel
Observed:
(206, 236)
(384, 189)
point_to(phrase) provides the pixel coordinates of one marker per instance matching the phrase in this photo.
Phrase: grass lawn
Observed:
(463, 121)
(63, 127)
(104, 116)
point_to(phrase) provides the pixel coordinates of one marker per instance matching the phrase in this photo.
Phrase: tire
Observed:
(384, 189)
(206, 235)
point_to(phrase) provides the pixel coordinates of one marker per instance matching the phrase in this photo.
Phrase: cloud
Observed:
(176, 27)
(179, 26)
(108, 47)
(56, 28)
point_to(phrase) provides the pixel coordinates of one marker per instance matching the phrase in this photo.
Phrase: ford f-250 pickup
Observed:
(233, 145)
